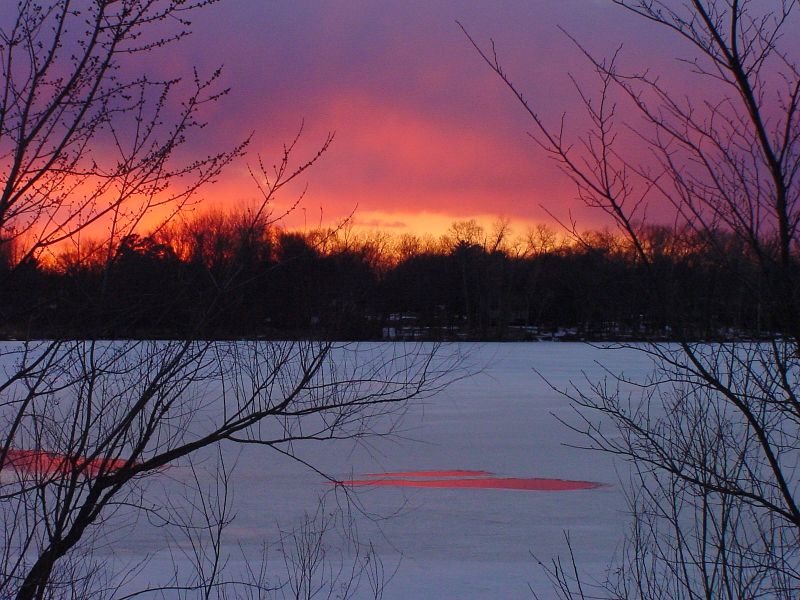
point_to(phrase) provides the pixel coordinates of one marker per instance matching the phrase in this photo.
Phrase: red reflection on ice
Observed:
(496, 483)
(39, 462)
(456, 473)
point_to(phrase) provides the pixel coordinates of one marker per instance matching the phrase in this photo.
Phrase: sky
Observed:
(425, 133)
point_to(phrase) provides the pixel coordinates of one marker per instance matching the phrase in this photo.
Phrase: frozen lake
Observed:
(439, 541)
(464, 542)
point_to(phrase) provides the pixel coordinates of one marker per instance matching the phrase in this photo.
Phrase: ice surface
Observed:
(448, 543)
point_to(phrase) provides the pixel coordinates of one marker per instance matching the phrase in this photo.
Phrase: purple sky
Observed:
(425, 133)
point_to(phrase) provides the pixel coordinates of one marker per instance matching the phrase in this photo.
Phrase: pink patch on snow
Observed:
(39, 462)
(468, 479)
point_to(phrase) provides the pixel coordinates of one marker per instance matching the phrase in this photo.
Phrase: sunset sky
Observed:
(425, 133)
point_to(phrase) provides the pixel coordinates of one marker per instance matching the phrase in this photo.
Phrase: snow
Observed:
(445, 543)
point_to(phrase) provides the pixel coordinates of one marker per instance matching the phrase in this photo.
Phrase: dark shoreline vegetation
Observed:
(220, 276)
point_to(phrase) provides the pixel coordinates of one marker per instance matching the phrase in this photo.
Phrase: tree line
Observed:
(229, 275)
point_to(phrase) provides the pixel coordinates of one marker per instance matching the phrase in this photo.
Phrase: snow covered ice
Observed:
(464, 542)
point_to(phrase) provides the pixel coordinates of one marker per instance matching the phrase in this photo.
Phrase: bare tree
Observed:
(314, 552)
(112, 415)
(88, 138)
(713, 439)
(85, 136)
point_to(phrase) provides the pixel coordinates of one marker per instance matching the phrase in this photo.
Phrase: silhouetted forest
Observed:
(225, 276)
